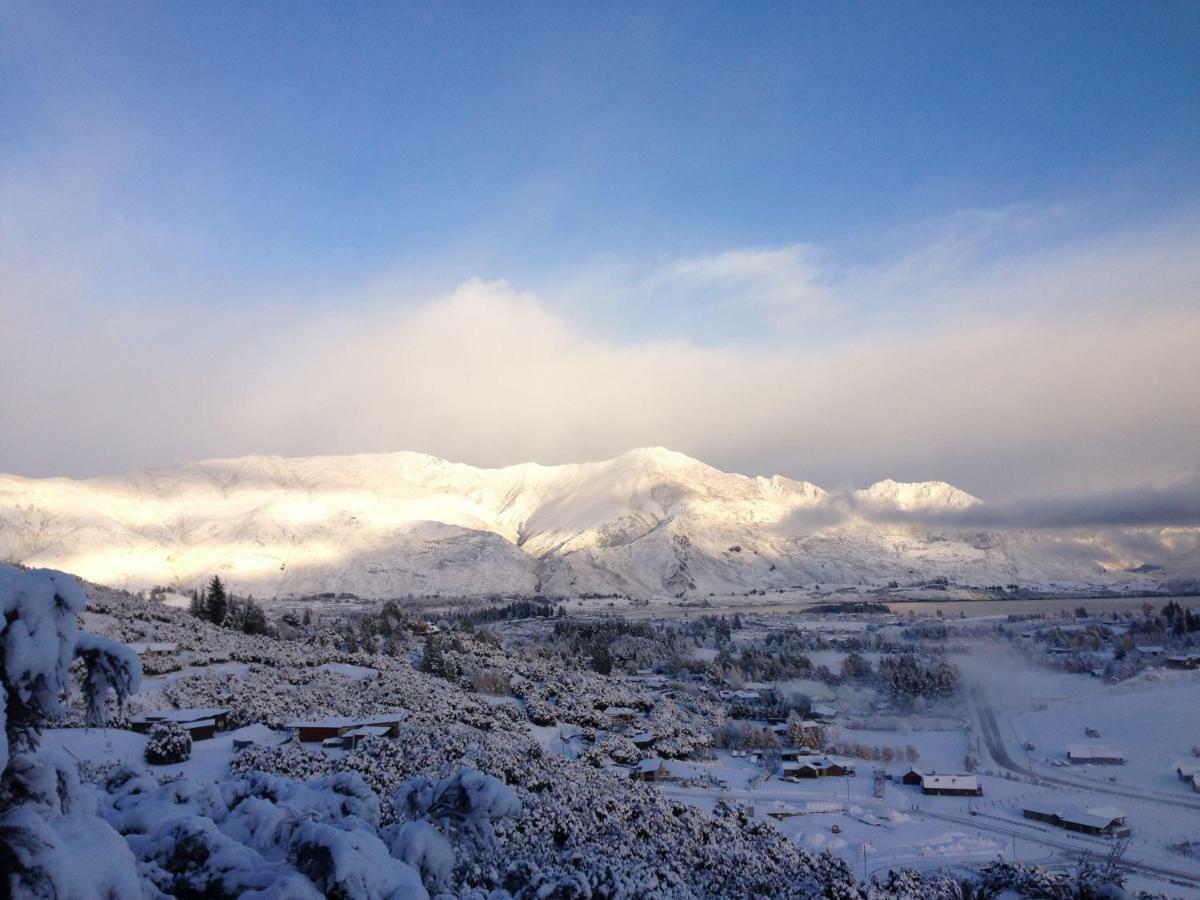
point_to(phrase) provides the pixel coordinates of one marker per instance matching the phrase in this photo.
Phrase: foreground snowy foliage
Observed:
(463, 803)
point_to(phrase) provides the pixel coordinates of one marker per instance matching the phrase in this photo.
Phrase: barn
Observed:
(951, 785)
(321, 729)
(1090, 754)
(649, 770)
(1101, 821)
(201, 723)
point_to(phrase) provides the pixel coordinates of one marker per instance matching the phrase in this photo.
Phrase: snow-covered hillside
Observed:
(650, 522)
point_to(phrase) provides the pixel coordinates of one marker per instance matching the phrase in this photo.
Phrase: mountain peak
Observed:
(660, 456)
(916, 495)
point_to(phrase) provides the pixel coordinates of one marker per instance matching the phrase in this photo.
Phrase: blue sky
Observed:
(777, 180)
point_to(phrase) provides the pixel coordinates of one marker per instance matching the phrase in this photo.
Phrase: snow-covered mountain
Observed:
(650, 522)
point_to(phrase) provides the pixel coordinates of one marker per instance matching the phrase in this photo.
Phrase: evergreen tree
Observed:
(218, 601)
(254, 620)
(602, 661)
(197, 607)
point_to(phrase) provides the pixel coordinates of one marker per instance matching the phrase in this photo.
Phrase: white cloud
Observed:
(1072, 366)
(783, 283)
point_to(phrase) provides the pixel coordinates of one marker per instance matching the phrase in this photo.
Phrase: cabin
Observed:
(823, 713)
(644, 740)
(201, 723)
(1187, 771)
(354, 736)
(650, 770)
(821, 767)
(1186, 661)
(912, 777)
(951, 785)
(1100, 821)
(390, 722)
(321, 729)
(155, 651)
(1088, 754)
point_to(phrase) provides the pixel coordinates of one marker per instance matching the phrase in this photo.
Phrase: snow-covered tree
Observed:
(168, 743)
(50, 844)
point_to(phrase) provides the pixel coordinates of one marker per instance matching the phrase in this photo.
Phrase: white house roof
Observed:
(620, 711)
(182, 716)
(383, 719)
(648, 765)
(154, 647)
(950, 782)
(1096, 816)
(368, 731)
(1090, 751)
(327, 722)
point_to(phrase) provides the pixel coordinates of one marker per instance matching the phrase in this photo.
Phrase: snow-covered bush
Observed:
(168, 743)
(51, 844)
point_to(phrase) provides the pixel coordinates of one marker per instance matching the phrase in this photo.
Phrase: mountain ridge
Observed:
(649, 522)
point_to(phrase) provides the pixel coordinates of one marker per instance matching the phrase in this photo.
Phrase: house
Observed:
(1085, 754)
(653, 769)
(201, 723)
(154, 651)
(1100, 821)
(951, 785)
(795, 754)
(390, 722)
(820, 767)
(1151, 650)
(1187, 771)
(643, 740)
(912, 777)
(321, 729)
(821, 712)
(1187, 661)
(355, 735)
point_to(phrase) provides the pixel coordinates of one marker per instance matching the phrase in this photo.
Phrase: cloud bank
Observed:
(1011, 367)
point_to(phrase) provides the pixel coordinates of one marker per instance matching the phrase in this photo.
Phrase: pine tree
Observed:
(198, 605)
(218, 601)
(254, 620)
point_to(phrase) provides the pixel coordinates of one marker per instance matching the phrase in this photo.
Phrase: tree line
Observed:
(213, 603)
